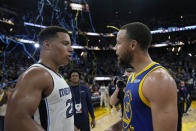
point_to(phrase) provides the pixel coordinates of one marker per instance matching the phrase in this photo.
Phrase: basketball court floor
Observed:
(105, 118)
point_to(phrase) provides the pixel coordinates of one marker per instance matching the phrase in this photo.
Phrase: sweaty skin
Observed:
(158, 88)
(27, 95)
(36, 83)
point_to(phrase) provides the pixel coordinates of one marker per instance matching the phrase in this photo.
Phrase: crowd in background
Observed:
(100, 63)
(92, 64)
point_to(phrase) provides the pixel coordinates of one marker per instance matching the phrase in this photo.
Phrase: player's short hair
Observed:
(49, 33)
(139, 32)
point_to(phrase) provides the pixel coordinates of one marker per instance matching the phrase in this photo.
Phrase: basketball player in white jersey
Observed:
(43, 100)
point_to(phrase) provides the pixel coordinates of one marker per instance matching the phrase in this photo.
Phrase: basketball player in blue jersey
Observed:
(150, 101)
(42, 99)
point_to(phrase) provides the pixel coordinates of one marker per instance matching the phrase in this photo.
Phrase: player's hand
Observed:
(117, 88)
(93, 123)
(75, 128)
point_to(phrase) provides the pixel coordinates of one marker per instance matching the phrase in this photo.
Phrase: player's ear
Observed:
(46, 44)
(133, 44)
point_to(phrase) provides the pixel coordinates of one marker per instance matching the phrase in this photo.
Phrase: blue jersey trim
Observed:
(48, 113)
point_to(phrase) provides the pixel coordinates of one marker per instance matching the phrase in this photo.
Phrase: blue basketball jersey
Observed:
(137, 111)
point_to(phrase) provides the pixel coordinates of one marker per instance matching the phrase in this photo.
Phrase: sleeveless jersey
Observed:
(137, 112)
(55, 112)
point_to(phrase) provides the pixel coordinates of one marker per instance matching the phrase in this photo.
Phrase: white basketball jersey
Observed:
(55, 112)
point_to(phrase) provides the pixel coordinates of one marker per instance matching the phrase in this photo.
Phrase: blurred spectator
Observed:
(3, 100)
(104, 93)
(4, 96)
(82, 103)
(181, 100)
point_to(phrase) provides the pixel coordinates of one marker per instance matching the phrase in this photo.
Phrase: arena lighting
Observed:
(114, 48)
(180, 43)
(75, 6)
(35, 25)
(179, 48)
(82, 54)
(98, 34)
(173, 29)
(11, 29)
(26, 41)
(173, 49)
(36, 45)
(102, 78)
(156, 31)
(92, 34)
(190, 27)
(77, 47)
(111, 35)
(6, 21)
(86, 33)
(160, 45)
(97, 48)
(159, 31)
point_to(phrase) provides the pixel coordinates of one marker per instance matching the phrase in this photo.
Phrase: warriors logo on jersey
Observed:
(137, 109)
(127, 115)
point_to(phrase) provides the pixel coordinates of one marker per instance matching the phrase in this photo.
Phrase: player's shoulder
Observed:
(36, 72)
(159, 83)
(160, 73)
(35, 75)
(160, 77)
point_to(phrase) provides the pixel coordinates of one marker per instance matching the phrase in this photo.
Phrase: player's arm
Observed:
(114, 98)
(25, 100)
(161, 91)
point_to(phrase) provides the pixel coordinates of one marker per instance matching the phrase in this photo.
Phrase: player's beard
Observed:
(125, 59)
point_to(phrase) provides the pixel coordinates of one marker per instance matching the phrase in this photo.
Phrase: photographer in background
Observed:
(118, 95)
